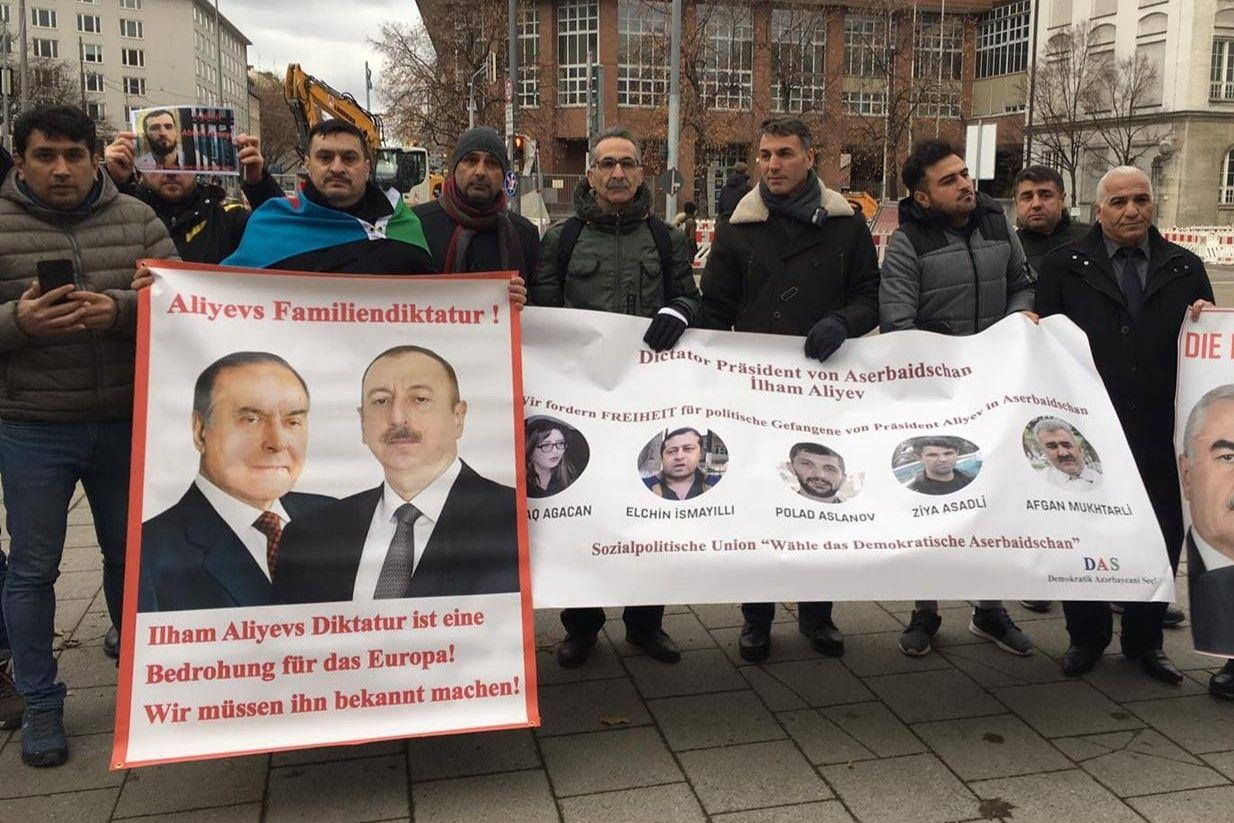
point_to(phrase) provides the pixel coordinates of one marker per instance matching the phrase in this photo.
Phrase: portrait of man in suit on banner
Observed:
(433, 528)
(218, 545)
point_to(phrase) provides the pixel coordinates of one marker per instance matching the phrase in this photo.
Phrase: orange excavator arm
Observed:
(312, 101)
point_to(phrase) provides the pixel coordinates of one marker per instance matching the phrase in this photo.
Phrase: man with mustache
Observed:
(1068, 468)
(680, 478)
(433, 528)
(1128, 289)
(1207, 470)
(615, 255)
(163, 139)
(469, 228)
(218, 546)
(819, 471)
(1043, 223)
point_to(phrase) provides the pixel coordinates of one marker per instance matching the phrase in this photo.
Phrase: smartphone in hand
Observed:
(55, 273)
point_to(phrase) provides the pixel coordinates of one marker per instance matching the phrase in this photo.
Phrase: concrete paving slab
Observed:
(78, 585)
(856, 617)
(609, 760)
(913, 789)
(590, 706)
(724, 719)
(752, 776)
(874, 654)
(670, 804)
(827, 811)
(685, 629)
(464, 755)
(82, 559)
(242, 813)
(822, 741)
(86, 769)
(1144, 763)
(786, 643)
(1122, 680)
(990, 666)
(933, 695)
(1068, 708)
(987, 747)
(1198, 806)
(86, 666)
(875, 727)
(725, 615)
(70, 807)
(820, 682)
(1223, 762)
(186, 786)
(343, 791)
(329, 754)
(603, 663)
(774, 694)
(1200, 724)
(1053, 797)
(498, 798)
(69, 614)
(90, 711)
(699, 672)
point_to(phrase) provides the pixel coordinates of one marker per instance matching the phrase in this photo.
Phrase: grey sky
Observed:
(328, 38)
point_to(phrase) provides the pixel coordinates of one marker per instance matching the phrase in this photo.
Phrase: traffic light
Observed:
(524, 154)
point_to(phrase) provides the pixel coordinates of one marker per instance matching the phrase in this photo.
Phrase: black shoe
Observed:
(1078, 660)
(755, 641)
(1157, 666)
(658, 645)
(1039, 606)
(43, 743)
(111, 643)
(1173, 618)
(574, 651)
(1222, 683)
(825, 638)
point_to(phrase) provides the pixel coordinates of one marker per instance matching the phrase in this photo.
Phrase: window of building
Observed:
(939, 39)
(89, 2)
(1103, 7)
(91, 53)
(642, 53)
(135, 86)
(94, 81)
(578, 32)
(95, 110)
(1227, 179)
(135, 58)
(866, 103)
(939, 104)
(798, 59)
(865, 44)
(41, 47)
(131, 28)
(89, 23)
(135, 5)
(43, 18)
(712, 172)
(1002, 39)
(1222, 72)
(4, 13)
(1060, 13)
(728, 63)
(1153, 24)
(528, 55)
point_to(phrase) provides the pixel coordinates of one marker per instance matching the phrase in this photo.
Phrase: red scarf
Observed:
(469, 220)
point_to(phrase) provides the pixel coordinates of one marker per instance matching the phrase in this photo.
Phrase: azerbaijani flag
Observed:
(287, 226)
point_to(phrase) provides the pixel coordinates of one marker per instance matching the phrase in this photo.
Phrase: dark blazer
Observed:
(1137, 359)
(191, 559)
(1212, 604)
(473, 550)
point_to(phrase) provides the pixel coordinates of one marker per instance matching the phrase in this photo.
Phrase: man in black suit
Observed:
(1206, 467)
(434, 528)
(216, 547)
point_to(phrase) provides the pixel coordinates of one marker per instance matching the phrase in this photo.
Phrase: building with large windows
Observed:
(869, 76)
(133, 54)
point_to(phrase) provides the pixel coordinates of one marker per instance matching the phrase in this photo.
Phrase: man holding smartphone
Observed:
(66, 395)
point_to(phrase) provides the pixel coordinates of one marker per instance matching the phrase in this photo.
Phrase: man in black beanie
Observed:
(469, 228)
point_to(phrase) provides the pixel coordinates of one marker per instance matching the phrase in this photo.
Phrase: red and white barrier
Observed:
(1214, 244)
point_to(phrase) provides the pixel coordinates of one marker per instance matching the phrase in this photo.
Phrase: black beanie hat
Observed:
(481, 138)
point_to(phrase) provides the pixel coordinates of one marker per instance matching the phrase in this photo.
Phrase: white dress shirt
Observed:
(240, 517)
(1081, 482)
(381, 529)
(1212, 558)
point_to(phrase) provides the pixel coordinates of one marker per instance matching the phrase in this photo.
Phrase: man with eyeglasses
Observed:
(615, 255)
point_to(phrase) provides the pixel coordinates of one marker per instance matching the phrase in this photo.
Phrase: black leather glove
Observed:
(825, 337)
(665, 330)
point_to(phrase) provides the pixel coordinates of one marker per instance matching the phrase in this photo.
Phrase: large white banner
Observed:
(1204, 443)
(327, 542)
(909, 465)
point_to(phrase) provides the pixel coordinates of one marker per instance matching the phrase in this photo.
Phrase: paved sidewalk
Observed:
(967, 733)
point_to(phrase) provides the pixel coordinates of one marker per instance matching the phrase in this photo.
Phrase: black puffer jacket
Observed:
(736, 187)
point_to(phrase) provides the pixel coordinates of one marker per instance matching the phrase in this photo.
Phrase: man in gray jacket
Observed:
(955, 267)
(66, 395)
(615, 255)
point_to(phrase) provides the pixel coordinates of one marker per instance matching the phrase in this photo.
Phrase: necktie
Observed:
(271, 526)
(1129, 279)
(401, 557)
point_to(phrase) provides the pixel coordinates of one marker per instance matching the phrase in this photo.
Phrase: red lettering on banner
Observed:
(1206, 346)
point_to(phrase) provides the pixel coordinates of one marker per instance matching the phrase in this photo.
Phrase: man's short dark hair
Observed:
(328, 128)
(1039, 174)
(923, 443)
(618, 133)
(818, 449)
(689, 208)
(64, 122)
(398, 351)
(785, 126)
(203, 391)
(925, 154)
(157, 113)
(677, 432)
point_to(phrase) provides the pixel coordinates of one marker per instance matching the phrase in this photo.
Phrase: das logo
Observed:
(1101, 564)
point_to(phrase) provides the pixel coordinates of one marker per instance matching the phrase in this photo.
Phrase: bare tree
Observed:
(799, 77)
(280, 137)
(1063, 97)
(1119, 93)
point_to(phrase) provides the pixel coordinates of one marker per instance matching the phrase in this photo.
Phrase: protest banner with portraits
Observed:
(327, 534)
(1204, 444)
(193, 139)
(909, 465)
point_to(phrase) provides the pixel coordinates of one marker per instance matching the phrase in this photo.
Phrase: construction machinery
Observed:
(311, 101)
